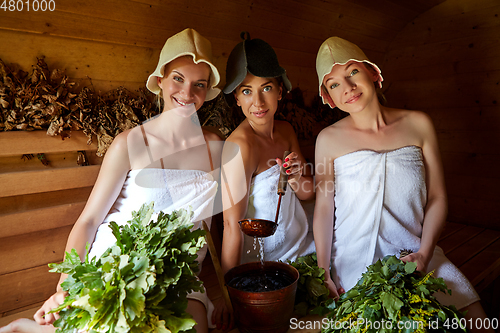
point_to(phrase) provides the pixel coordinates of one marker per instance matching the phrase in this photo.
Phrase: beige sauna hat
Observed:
(338, 51)
(187, 42)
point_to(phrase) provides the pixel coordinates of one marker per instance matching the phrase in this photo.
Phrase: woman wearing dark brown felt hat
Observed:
(255, 82)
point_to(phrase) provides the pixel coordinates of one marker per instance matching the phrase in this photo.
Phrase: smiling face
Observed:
(258, 97)
(350, 86)
(184, 83)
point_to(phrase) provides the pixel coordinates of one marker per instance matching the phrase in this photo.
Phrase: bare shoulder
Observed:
(419, 121)
(241, 138)
(409, 116)
(422, 118)
(329, 143)
(242, 133)
(119, 153)
(121, 141)
(334, 131)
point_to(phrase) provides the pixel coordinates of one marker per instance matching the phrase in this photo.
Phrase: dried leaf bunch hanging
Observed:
(48, 99)
(307, 121)
(218, 114)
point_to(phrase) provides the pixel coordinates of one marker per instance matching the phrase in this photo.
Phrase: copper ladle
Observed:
(265, 228)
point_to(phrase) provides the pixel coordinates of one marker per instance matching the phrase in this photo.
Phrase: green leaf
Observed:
(410, 267)
(391, 303)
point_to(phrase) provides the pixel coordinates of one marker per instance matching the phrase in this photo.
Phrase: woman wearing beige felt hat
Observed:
(380, 183)
(168, 160)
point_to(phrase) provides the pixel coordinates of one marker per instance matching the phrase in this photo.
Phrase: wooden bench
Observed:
(39, 204)
(476, 252)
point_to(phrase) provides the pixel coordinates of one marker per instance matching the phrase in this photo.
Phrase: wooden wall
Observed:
(446, 63)
(117, 42)
(39, 204)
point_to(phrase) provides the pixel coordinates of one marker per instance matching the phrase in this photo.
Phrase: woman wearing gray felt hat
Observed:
(251, 162)
(256, 57)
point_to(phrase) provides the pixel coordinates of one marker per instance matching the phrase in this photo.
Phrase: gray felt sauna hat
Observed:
(252, 56)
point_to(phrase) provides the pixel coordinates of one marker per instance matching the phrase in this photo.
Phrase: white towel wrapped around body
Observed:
(380, 199)
(293, 236)
(170, 190)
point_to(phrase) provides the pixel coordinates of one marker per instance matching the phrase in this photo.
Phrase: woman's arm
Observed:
(323, 221)
(436, 208)
(301, 181)
(109, 182)
(236, 173)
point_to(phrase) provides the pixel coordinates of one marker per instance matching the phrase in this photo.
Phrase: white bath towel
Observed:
(169, 189)
(380, 199)
(293, 237)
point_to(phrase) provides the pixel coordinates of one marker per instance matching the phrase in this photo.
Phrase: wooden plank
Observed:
(301, 21)
(454, 49)
(225, 19)
(476, 118)
(92, 28)
(420, 6)
(35, 249)
(334, 13)
(389, 8)
(450, 92)
(16, 163)
(88, 21)
(27, 287)
(454, 8)
(40, 219)
(472, 247)
(434, 27)
(461, 163)
(450, 228)
(458, 238)
(480, 213)
(22, 203)
(394, 19)
(33, 142)
(472, 142)
(484, 265)
(473, 186)
(105, 62)
(19, 183)
(438, 71)
(24, 312)
(486, 278)
(208, 274)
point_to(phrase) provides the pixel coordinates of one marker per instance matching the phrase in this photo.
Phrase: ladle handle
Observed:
(283, 176)
(217, 267)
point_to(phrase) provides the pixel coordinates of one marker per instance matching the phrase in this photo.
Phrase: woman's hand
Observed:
(334, 291)
(419, 259)
(293, 166)
(42, 316)
(222, 317)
